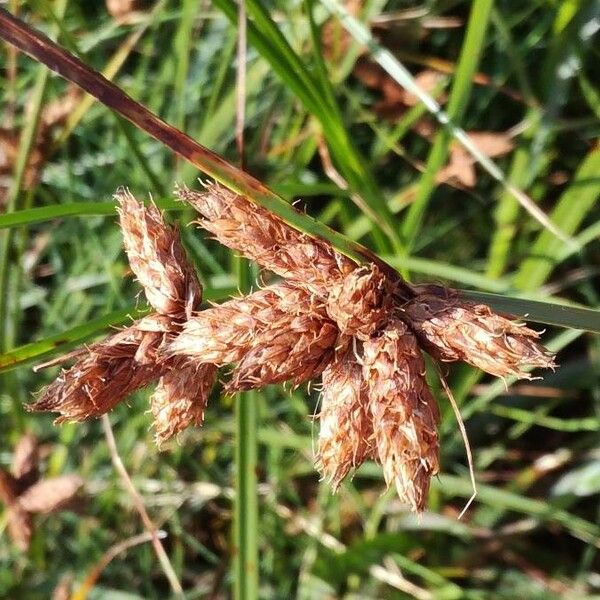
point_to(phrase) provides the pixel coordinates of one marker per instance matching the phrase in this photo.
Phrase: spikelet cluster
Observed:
(133, 358)
(362, 328)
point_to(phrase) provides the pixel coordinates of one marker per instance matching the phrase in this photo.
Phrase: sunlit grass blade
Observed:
(31, 216)
(399, 73)
(457, 105)
(318, 99)
(548, 313)
(44, 50)
(65, 341)
(572, 207)
(539, 509)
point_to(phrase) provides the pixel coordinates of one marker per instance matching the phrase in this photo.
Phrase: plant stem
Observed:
(245, 521)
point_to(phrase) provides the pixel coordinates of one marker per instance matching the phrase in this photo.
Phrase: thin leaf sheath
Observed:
(451, 328)
(404, 413)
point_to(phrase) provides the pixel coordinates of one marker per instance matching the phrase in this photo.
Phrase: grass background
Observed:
(533, 530)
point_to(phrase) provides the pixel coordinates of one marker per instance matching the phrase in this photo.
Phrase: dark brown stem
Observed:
(44, 50)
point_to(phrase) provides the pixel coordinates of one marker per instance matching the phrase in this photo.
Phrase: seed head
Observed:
(452, 328)
(277, 334)
(265, 238)
(345, 427)
(180, 398)
(157, 258)
(102, 376)
(404, 412)
(361, 302)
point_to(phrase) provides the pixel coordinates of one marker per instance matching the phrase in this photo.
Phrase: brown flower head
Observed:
(361, 303)
(451, 328)
(277, 334)
(181, 397)
(157, 258)
(108, 371)
(358, 326)
(265, 238)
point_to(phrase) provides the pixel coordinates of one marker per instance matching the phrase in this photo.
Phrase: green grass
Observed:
(532, 531)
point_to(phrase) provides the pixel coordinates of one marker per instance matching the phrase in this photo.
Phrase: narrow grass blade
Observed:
(246, 489)
(31, 216)
(400, 74)
(572, 207)
(317, 96)
(71, 68)
(62, 342)
(571, 317)
(457, 105)
(539, 509)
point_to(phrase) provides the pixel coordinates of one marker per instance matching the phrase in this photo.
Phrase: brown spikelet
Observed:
(102, 377)
(265, 238)
(180, 398)
(276, 334)
(403, 411)
(49, 495)
(451, 328)
(345, 426)
(157, 258)
(361, 303)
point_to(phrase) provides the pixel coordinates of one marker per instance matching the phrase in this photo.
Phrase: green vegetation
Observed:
(371, 164)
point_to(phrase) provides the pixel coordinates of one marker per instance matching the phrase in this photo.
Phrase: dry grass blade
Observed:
(138, 503)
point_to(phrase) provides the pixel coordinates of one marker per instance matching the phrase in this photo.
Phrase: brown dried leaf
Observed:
(404, 413)
(122, 10)
(451, 328)
(9, 488)
(20, 526)
(48, 495)
(461, 164)
(25, 461)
